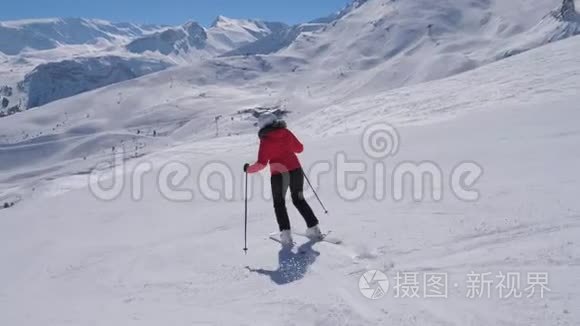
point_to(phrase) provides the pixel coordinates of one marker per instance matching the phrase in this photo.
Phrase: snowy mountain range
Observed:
(47, 34)
(224, 35)
(86, 103)
(51, 47)
(375, 37)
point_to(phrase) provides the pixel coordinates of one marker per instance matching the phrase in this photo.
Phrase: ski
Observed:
(276, 237)
(325, 238)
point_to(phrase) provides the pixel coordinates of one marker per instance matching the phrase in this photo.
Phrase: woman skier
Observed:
(278, 148)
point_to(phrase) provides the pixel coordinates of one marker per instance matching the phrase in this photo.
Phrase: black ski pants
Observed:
(295, 181)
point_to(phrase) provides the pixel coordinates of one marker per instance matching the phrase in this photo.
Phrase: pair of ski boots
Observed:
(312, 233)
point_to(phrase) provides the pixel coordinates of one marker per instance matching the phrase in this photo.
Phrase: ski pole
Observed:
(246, 217)
(314, 191)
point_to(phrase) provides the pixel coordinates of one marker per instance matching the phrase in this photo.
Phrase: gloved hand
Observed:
(246, 166)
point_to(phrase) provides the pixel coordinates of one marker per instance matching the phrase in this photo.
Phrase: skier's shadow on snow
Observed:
(292, 266)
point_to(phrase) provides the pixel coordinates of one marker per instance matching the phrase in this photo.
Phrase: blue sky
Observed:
(171, 11)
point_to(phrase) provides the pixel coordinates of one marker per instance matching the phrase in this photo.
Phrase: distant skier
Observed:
(278, 148)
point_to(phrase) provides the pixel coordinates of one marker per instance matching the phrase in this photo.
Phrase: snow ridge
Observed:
(46, 34)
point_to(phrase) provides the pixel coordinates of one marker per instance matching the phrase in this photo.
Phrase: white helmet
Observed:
(266, 119)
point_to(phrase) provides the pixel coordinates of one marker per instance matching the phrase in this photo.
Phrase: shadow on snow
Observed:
(292, 266)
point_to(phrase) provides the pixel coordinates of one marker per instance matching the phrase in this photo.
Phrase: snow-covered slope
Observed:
(72, 77)
(227, 34)
(283, 38)
(561, 23)
(37, 81)
(31, 48)
(144, 259)
(276, 41)
(182, 104)
(344, 61)
(444, 73)
(387, 44)
(173, 40)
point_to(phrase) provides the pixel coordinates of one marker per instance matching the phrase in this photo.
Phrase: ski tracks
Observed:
(476, 247)
(339, 269)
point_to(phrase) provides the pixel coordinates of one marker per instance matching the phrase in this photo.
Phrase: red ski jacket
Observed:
(278, 147)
